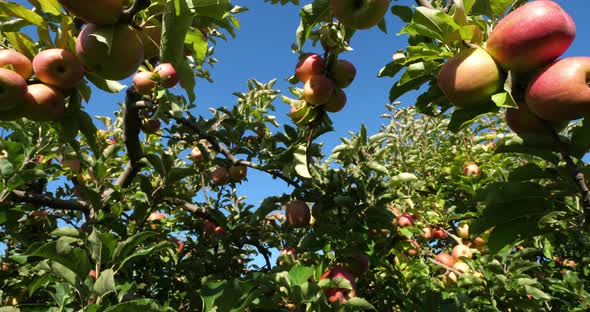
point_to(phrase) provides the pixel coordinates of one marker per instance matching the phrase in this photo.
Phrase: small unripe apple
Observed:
(462, 267)
(220, 176)
(59, 68)
(445, 259)
(318, 89)
(405, 220)
(18, 61)
(342, 73)
(461, 251)
(43, 103)
(463, 230)
(336, 102)
(167, 74)
(103, 12)
(359, 14)
(237, 172)
(471, 169)
(150, 126)
(298, 213)
(143, 83)
(13, 90)
(309, 65)
(339, 294)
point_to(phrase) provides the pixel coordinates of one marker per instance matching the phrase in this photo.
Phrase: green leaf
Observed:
(138, 305)
(105, 283)
(146, 251)
(300, 161)
(537, 293)
(22, 43)
(463, 117)
(504, 99)
(66, 231)
(404, 177)
(299, 274)
(19, 11)
(94, 245)
(403, 12)
(199, 44)
(61, 271)
(359, 304)
(6, 168)
(311, 15)
(125, 247)
(75, 259)
(430, 23)
(49, 6)
(110, 86)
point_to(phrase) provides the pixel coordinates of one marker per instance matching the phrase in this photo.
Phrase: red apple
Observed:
(445, 259)
(470, 78)
(461, 251)
(43, 103)
(59, 68)
(405, 220)
(143, 83)
(359, 14)
(120, 61)
(167, 74)
(439, 234)
(298, 213)
(479, 243)
(339, 294)
(522, 121)
(196, 154)
(156, 216)
(92, 274)
(237, 173)
(289, 252)
(101, 12)
(13, 91)
(342, 73)
(16, 61)
(336, 102)
(531, 36)
(309, 65)
(471, 169)
(220, 176)
(560, 91)
(318, 89)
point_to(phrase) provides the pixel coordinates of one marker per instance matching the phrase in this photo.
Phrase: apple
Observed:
(150, 126)
(92, 274)
(470, 78)
(310, 64)
(43, 103)
(101, 12)
(461, 251)
(450, 277)
(342, 73)
(405, 220)
(461, 267)
(5, 267)
(439, 234)
(196, 154)
(16, 61)
(414, 249)
(155, 216)
(143, 83)
(220, 176)
(71, 164)
(339, 294)
(179, 245)
(479, 243)
(427, 233)
(150, 35)
(59, 68)
(463, 230)
(318, 89)
(522, 121)
(560, 91)
(120, 61)
(167, 75)
(287, 252)
(13, 90)
(359, 14)
(471, 169)
(445, 259)
(298, 213)
(568, 263)
(531, 36)
(336, 101)
(209, 227)
(237, 173)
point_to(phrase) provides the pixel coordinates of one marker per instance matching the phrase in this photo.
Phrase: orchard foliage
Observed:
(444, 208)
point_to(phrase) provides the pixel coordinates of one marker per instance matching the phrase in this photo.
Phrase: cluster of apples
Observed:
(322, 88)
(525, 42)
(220, 175)
(43, 99)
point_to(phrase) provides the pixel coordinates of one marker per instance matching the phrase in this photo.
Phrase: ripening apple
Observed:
(450, 276)
(120, 61)
(143, 83)
(462, 267)
(439, 234)
(167, 74)
(479, 243)
(156, 216)
(445, 259)
(298, 213)
(220, 176)
(461, 251)
(471, 169)
(309, 65)
(336, 102)
(427, 233)
(17, 61)
(359, 14)
(339, 294)
(13, 90)
(287, 252)
(405, 220)
(560, 91)
(43, 103)
(531, 36)
(342, 73)
(470, 78)
(71, 164)
(196, 154)
(92, 274)
(59, 68)
(150, 126)
(103, 12)
(150, 35)
(237, 173)
(318, 89)
(463, 230)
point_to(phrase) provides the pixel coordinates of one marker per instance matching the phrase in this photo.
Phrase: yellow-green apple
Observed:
(16, 61)
(531, 36)
(59, 68)
(427, 233)
(461, 267)
(336, 102)
(237, 173)
(339, 294)
(342, 73)
(150, 126)
(167, 74)
(445, 259)
(13, 90)
(298, 213)
(450, 277)
(318, 89)
(220, 176)
(461, 251)
(101, 12)
(43, 103)
(463, 230)
(119, 61)
(359, 14)
(405, 220)
(150, 35)
(471, 169)
(143, 83)
(560, 91)
(470, 78)
(522, 121)
(309, 65)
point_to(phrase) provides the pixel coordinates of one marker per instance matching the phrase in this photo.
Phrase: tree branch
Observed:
(448, 268)
(49, 201)
(425, 3)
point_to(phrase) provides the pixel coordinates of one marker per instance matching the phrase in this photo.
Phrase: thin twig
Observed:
(444, 266)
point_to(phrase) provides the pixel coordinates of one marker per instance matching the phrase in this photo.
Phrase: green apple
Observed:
(359, 14)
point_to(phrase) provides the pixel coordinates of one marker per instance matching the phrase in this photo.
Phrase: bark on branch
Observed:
(48, 201)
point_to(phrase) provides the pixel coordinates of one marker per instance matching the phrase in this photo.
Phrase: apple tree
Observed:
(472, 198)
